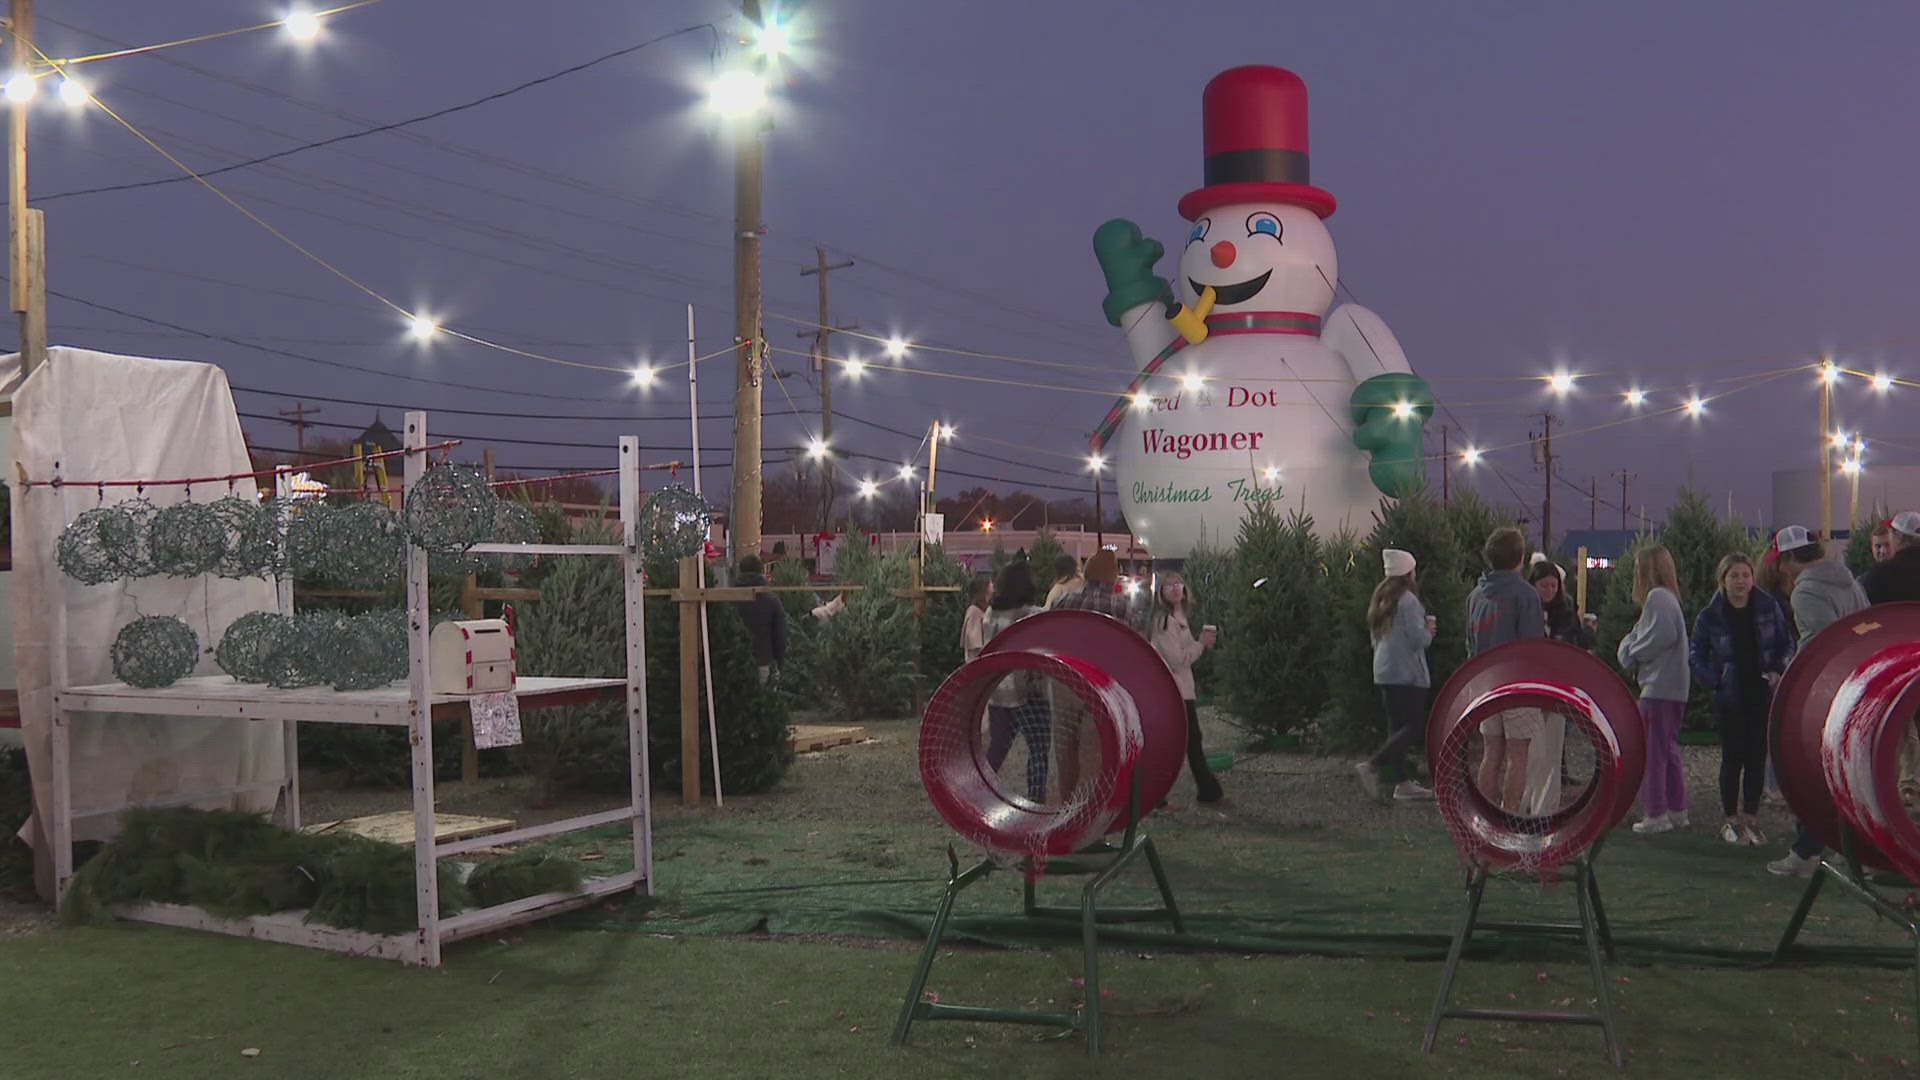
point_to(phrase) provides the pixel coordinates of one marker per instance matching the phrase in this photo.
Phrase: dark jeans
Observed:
(1805, 844)
(1743, 760)
(1406, 708)
(1207, 785)
(1744, 779)
(1033, 719)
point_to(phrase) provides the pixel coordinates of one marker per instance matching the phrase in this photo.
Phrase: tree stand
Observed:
(1592, 927)
(1104, 862)
(1845, 869)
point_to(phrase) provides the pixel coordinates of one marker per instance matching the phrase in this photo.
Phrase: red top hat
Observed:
(1255, 119)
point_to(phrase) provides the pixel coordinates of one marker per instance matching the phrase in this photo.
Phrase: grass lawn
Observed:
(151, 1002)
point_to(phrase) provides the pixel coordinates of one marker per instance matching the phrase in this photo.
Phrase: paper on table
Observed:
(496, 720)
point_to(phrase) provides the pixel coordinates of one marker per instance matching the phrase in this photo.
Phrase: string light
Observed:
(1829, 374)
(1096, 462)
(1839, 439)
(906, 472)
(643, 375)
(21, 87)
(421, 328)
(854, 368)
(986, 524)
(1272, 473)
(773, 40)
(1636, 397)
(868, 489)
(302, 25)
(73, 93)
(817, 448)
(1403, 409)
(1561, 382)
(1883, 382)
(1851, 466)
(897, 347)
(945, 431)
(1141, 402)
(1695, 406)
(1192, 380)
(1471, 455)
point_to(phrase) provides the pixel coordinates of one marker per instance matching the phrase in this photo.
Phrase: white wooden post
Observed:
(420, 713)
(631, 565)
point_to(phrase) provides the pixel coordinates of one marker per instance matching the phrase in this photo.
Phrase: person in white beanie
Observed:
(1401, 631)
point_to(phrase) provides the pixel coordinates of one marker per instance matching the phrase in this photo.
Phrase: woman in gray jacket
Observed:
(1401, 630)
(1655, 655)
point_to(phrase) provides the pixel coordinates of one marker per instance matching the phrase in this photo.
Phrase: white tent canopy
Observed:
(88, 416)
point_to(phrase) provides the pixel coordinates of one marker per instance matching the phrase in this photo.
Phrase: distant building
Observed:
(1604, 546)
(378, 436)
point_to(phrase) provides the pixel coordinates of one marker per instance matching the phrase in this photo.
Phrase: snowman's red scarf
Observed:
(1239, 322)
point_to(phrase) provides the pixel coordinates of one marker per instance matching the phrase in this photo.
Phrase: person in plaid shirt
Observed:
(1101, 590)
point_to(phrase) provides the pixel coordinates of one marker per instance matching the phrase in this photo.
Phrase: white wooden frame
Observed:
(410, 706)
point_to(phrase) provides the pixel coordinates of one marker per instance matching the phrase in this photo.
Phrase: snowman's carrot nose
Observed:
(1223, 254)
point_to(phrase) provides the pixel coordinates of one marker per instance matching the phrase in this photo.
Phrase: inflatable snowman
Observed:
(1245, 395)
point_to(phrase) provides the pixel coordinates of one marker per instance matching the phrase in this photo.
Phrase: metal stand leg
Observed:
(1090, 964)
(1476, 885)
(1799, 918)
(1591, 927)
(1166, 890)
(910, 1008)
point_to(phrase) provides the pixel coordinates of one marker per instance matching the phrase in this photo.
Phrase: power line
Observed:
(396, 125)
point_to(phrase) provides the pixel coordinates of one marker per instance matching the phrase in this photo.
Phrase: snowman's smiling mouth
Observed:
(1238, 293)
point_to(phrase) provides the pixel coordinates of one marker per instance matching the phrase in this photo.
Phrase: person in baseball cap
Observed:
(1898, 578)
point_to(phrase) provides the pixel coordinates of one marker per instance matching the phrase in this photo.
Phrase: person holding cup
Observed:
(1401, 631)
(1167, 629)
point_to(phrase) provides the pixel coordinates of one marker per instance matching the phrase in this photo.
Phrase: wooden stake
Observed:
(690, 684)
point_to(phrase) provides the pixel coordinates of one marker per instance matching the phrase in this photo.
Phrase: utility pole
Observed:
(299, 412)
(1099, 519)
(1593, 507)
(747, 227)
(26, 227)
(1624, 477)
(821, 334)
(1826, 452)
(1546, 457)
(1446, 467)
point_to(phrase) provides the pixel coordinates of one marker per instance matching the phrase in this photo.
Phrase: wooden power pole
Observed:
(746, 321)
(822, 358)
(1624, 477)
(1825, 531)
(300, 423)
(1446, 467)
(1546, 459)
(26, 227)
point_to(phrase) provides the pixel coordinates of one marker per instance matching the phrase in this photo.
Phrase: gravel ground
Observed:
(1266, 791)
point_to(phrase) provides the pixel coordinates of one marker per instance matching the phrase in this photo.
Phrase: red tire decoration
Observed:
(1839, 717)
(1541, 675)
(1067, 647)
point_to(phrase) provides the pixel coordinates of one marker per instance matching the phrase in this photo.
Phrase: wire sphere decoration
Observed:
(304, 538)
(367, 651)
(450, 509)
(252, 537)
(674, 523)
(1587, 754)
(362, 546)
(92, 547)
(154, 651)
(513, 523)
(255, 646)
(186, 539)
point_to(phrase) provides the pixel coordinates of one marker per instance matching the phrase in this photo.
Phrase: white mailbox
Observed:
(471, 657)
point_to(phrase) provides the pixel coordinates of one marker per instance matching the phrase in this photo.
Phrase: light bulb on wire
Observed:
(897, 347)
(73, 92)
(1839, 439)
(1829, 374)
(945, 431)
(1192, 380)
(1470, 456)
(1883, 382)
(906, 472)
(772, 40)
(301, 25)
(643, 375)
(1695, 406)
(1561, 382)
(421, 328)
(868, 489)
(817, 448)
(854, 368)
(1141, 402)
(21, 87)
(1636, 398)
(1402, 409)
(1096, 462)
(737, 93)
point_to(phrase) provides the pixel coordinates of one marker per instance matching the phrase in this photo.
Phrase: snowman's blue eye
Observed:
(1199, 232)
(1263, 222)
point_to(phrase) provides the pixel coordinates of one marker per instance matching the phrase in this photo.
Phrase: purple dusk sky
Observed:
(1666, 195)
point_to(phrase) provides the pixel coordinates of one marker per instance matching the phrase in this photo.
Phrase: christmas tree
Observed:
(1272, 654)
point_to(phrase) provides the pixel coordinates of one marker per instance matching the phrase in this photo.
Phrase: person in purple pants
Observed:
(1655, 655)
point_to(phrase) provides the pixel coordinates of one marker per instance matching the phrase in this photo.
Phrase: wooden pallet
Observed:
(810, 737)
(397, 827)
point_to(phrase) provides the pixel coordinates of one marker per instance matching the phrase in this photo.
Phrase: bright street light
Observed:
(643, 375)
(986, 524)
(817, 448)
(1636, 398)
(772, 40)
(737, 93)
(302, 25)
(22, 87)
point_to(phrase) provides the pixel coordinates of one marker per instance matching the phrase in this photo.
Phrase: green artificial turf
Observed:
(151, 1002)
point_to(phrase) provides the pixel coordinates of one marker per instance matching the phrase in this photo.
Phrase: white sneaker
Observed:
(1648, 826)
(1679, 819)
(1794, 866)
(1731, 835)
(1753, 835)
(1409, 791)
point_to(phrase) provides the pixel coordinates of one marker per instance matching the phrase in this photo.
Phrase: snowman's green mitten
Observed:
(1389, 412)
(1126, 258)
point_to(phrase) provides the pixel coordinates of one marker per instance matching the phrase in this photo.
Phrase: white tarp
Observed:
(95, 416)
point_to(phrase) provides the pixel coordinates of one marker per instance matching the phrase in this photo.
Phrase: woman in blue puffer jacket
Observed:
(1741, 643)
